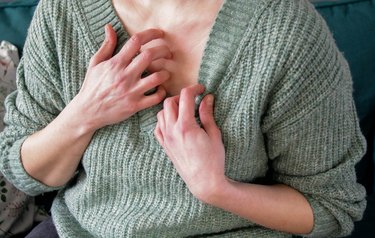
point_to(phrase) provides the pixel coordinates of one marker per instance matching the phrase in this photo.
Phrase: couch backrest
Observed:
(15, 17)
(352, 23)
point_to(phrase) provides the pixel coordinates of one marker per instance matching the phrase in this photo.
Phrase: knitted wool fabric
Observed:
(283, 101)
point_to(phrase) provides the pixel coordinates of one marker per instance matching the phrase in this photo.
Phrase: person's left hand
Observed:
(197, 153)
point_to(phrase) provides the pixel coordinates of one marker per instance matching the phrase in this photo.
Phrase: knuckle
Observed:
(169, 138)
(125, 74)
(162, 65)
(118, 77)
(146, 55)
(113, 62)
(136, 40)
(167, 102)
(182, 128)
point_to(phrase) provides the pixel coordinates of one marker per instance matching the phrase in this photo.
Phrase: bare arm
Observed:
(53, 159)
(277, 207)
(111, 92)
(198, 155)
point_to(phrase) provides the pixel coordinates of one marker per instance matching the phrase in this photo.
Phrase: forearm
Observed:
(203, 168)
(277, 207)
(111, 93)
(52, 154)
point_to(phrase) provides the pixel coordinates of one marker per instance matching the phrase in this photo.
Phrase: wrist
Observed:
(217, 192)
(77, 118)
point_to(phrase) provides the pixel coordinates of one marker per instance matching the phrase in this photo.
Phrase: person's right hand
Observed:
(113, 89)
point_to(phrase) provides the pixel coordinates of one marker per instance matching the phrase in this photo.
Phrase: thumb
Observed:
(206, 114)
(107, 48)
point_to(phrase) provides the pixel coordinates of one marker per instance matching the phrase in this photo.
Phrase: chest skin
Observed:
(185, 36)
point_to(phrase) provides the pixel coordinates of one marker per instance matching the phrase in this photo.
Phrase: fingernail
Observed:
(210, 100)
(106, 28)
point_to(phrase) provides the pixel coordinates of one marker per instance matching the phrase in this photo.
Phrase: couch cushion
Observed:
(15, 19)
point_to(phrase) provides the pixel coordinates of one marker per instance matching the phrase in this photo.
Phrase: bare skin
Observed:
(186, 25)
(119, 94)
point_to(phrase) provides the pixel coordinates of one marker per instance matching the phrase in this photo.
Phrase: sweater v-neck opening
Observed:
(222, 44)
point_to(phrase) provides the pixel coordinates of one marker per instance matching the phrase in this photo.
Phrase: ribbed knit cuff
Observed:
(14, 171)
(322, 225)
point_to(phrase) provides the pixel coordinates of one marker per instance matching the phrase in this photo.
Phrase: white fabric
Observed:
(8, 63)
(18, 211)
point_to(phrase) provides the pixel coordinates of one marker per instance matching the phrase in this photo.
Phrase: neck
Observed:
(160, 12)
(147, 6)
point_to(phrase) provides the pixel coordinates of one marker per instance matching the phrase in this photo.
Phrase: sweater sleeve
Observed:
(35, 103)
(311, 127)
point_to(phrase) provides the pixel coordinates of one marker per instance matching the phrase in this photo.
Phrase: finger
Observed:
(153, 99)
(161, 122)
(206, 114)
(152, 81)
(171, 110)
(187, 102)
(105, 52)
(134, 44)
(158, 134)
(144, 59)
(158, 65)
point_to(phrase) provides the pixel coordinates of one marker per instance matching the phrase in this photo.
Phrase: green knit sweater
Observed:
(283, 103)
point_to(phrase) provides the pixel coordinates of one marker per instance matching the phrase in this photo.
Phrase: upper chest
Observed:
(185, 36)
(184, 66)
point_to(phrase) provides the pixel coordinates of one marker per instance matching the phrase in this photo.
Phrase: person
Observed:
(185, 119)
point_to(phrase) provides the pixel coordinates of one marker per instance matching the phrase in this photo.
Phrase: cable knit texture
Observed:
(283, 103)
